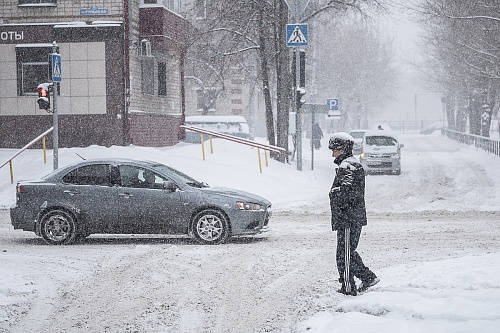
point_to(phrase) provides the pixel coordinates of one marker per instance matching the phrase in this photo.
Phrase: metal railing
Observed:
(31, 143)
(236, 139)
(487, 144)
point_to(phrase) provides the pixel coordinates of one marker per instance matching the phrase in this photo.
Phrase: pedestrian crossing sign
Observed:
(297, 35)
(56, 67)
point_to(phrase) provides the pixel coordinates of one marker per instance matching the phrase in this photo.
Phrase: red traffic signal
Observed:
(42, 92)
(43, 96)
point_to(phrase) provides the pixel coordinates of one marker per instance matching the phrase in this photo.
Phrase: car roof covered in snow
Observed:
(382, 133)
(215, 119)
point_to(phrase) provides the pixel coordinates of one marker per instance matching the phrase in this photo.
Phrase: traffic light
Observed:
(302, 69)
(300, 98)
(43, 96)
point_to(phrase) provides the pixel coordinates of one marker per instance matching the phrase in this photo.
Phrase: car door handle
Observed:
(71, 192)
(125, 195)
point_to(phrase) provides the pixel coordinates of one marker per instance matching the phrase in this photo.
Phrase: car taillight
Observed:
(20, 189)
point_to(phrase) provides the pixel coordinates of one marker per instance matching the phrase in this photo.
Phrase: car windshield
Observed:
(380, 141)
(357, 135)
(178, 176)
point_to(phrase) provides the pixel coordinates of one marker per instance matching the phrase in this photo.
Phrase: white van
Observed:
(381, 152)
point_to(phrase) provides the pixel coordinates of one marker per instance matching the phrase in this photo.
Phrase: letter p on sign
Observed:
(332, 104)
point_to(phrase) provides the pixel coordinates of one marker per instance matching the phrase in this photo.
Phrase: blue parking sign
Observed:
(332, 104)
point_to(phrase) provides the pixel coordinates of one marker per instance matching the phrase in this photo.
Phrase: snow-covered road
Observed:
(265, 284)
(269, 283)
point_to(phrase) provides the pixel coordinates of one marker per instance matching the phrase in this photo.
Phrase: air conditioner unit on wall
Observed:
(145, 49)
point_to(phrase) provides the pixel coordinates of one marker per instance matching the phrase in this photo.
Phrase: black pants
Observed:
(349, 262)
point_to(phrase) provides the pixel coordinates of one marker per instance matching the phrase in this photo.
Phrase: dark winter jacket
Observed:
(347, 195)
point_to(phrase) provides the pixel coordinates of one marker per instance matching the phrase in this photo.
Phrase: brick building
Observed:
(122, 70)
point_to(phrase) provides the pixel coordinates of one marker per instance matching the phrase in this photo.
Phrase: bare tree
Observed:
(462, 44)
(231, 30)
(358, 67)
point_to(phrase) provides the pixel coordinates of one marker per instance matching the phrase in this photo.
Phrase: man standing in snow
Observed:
(347, 203)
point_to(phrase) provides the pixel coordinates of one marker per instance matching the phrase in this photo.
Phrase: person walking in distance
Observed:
(316, 136)
(347, 203)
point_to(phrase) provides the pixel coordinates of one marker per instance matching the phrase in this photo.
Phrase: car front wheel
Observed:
(210, 227)
(57, 227)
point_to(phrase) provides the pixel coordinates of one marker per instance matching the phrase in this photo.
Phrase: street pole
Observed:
(55, 118)
(297, 7)
(416, 121)
(298, 115)
(251, 94)
(312, 137)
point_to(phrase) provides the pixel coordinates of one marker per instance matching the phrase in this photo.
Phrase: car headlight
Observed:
(248, 206)
(362, 155)
(395, 155)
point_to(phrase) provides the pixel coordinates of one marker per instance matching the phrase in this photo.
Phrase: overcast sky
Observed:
(415, 102)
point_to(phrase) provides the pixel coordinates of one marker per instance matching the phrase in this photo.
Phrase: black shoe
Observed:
(352, 292)
(367, 284)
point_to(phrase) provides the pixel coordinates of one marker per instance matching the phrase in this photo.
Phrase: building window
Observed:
(37, 2)
(147, 67)
(162, 79)
(176, 6)
(33, 68)
(145, 49)
(206, 100)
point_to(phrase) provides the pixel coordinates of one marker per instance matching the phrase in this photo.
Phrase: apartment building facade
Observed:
(236, 89)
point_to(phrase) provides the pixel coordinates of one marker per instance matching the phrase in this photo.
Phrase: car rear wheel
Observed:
(210, 227)
(58, 227)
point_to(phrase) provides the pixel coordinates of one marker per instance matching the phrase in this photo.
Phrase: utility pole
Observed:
(298, 114)
(56, 78)
(44, 90)
(297, 36)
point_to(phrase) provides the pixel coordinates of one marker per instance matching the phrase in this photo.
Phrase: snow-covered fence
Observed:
(487, 144)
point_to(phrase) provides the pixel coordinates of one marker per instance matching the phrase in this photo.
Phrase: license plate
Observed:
(376, 163)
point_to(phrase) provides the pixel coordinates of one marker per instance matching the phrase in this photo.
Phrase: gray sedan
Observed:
(121, 196)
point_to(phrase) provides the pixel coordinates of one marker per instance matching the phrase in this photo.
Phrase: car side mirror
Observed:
(170, 185)
(401, 145)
